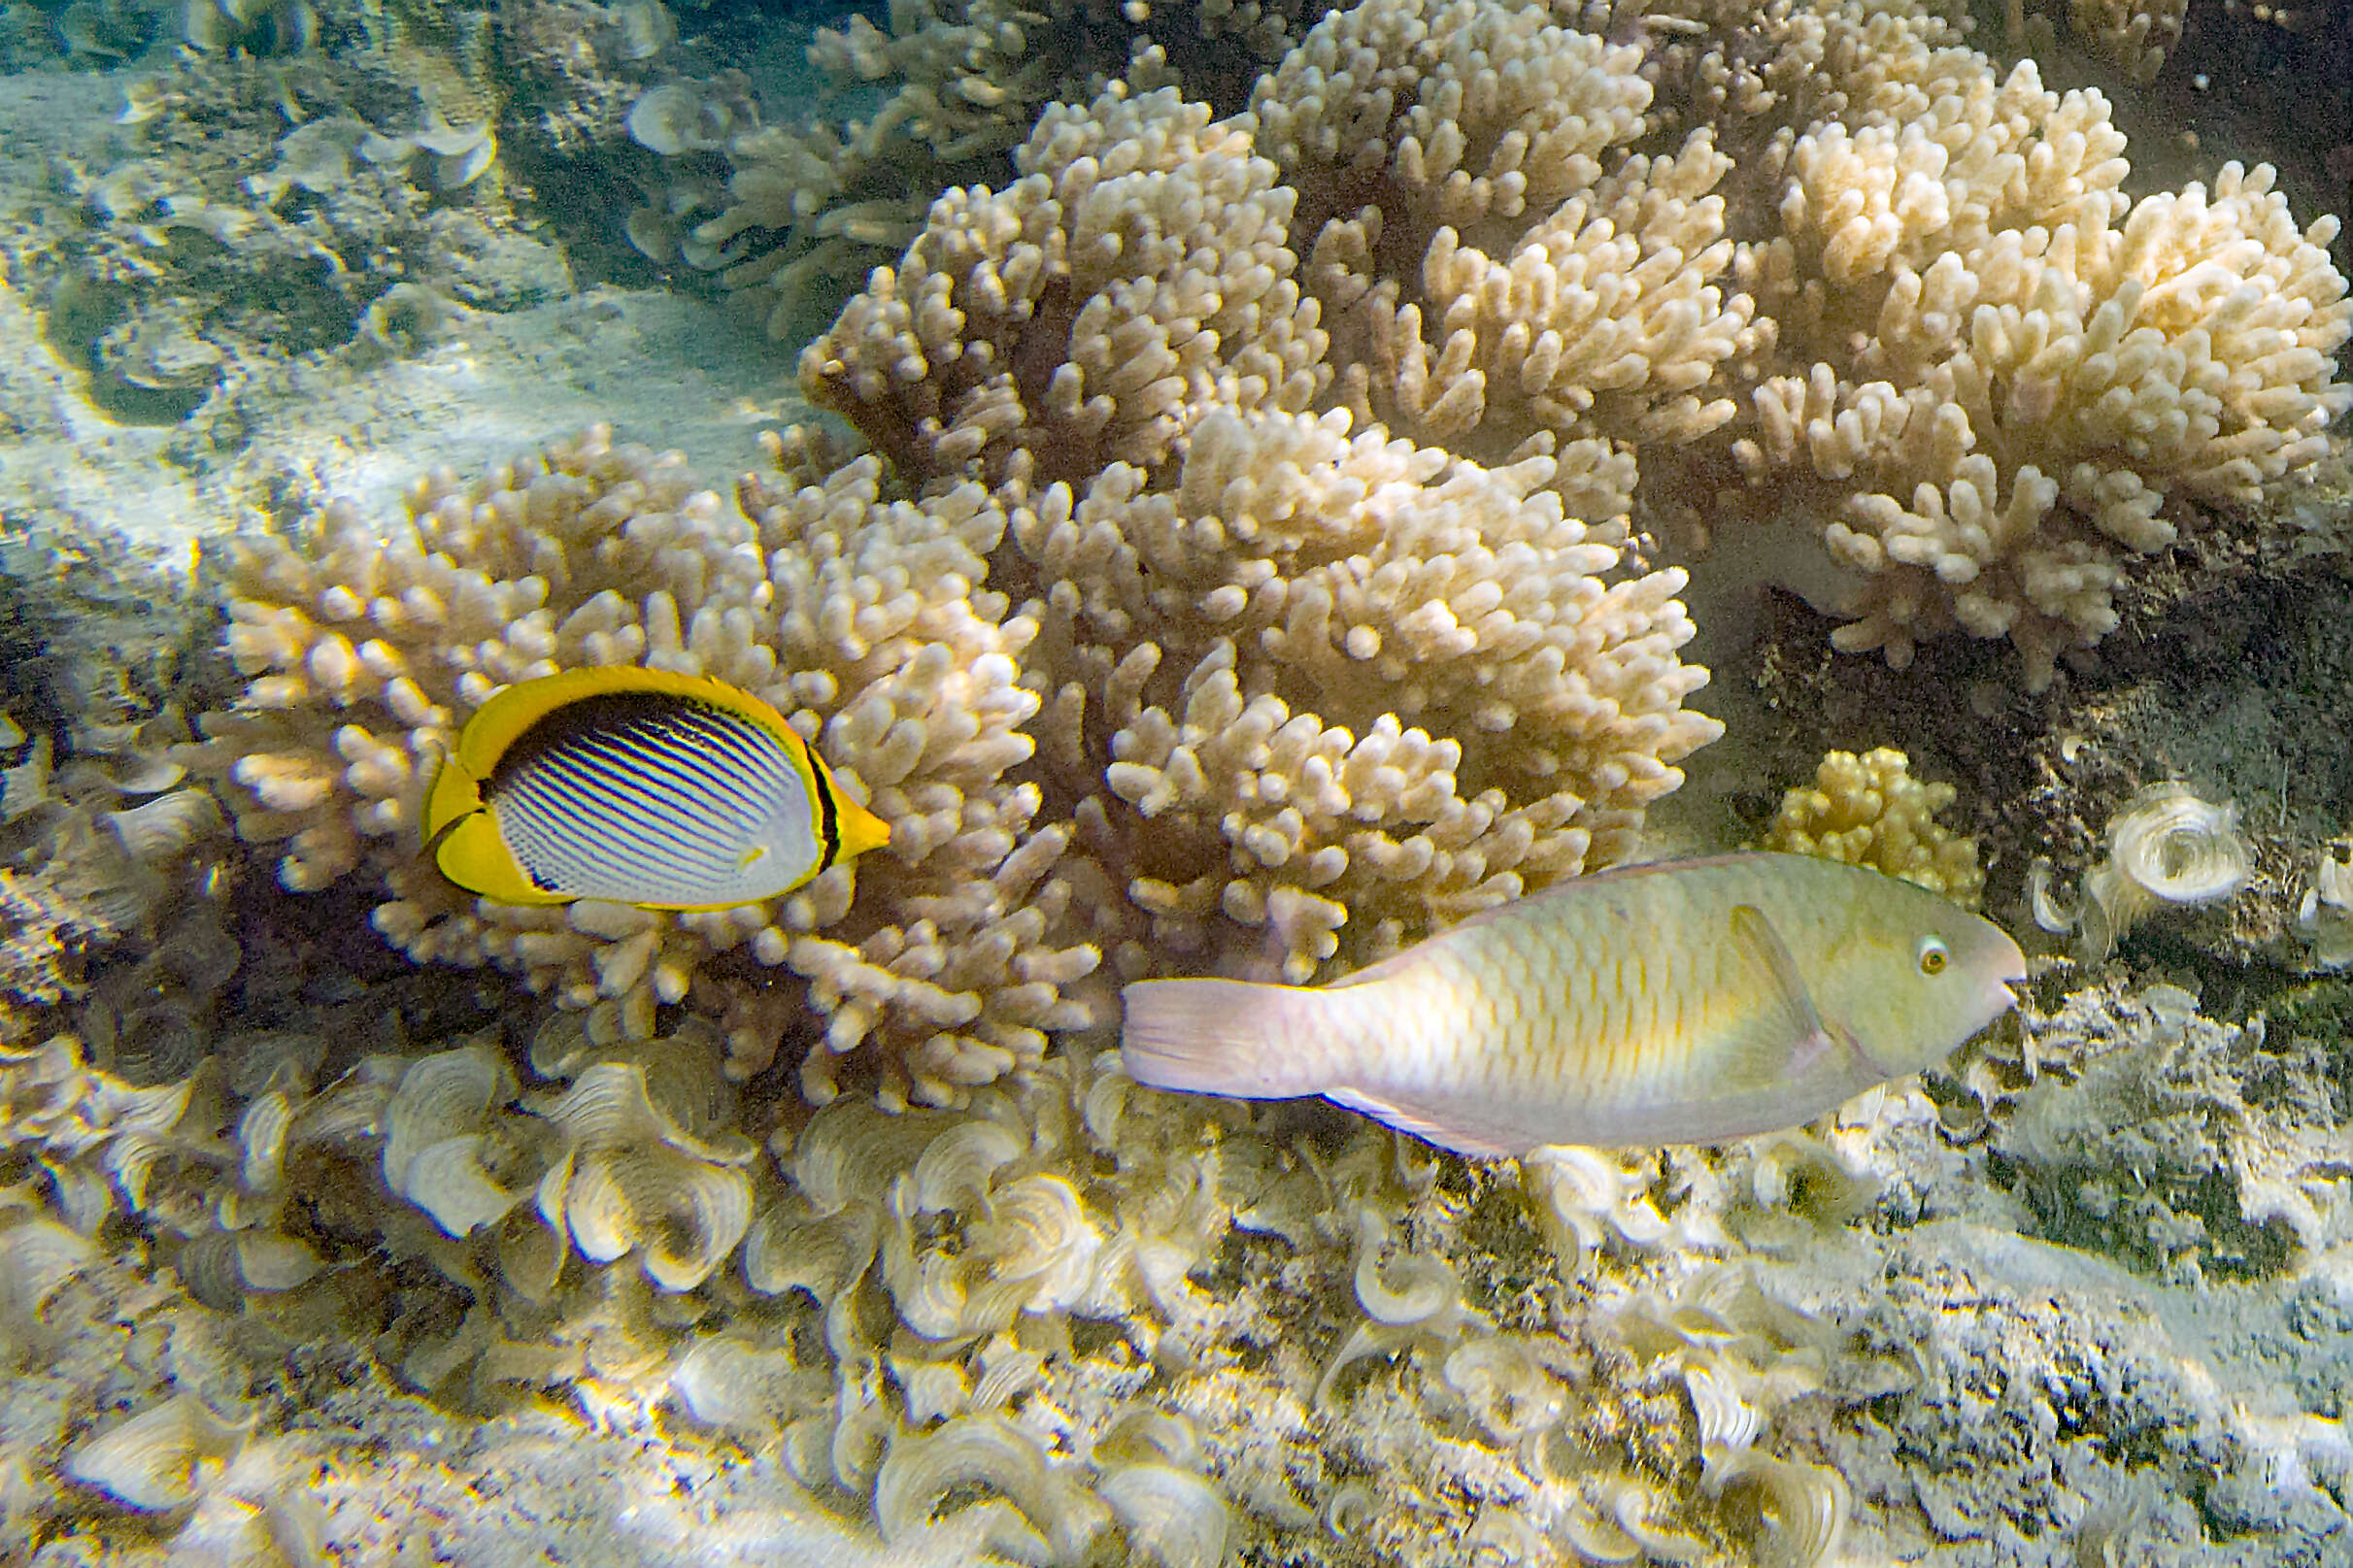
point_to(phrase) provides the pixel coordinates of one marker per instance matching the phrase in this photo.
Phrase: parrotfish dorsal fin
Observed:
(1784, 1037)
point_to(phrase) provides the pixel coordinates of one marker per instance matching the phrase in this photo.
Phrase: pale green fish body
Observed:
(1685, 1002)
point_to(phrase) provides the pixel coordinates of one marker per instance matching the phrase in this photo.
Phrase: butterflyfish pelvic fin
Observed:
(1784, 1037)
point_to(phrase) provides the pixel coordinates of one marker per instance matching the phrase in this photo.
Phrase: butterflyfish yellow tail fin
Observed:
(860, 829)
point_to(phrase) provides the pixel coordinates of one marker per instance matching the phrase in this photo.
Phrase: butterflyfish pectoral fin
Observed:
(1783, 1036)
(455, 792)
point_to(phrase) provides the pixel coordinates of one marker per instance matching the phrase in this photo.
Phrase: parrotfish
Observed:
(1677, 1003)
(643, 786)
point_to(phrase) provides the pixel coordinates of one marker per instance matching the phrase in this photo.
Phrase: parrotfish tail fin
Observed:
(1235, 1037)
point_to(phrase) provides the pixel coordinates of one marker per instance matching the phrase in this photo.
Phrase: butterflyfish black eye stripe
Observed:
(643, 786)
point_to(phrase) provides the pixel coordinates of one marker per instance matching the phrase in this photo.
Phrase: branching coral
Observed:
(1287, 681)
(1133, 278)
(2012, 364)
(1254, 622)
(864, 618)
(1500, 272)
(1924, 321)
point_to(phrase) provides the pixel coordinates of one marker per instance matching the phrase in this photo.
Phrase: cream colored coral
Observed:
(2325, 914)
(1556, 288)
(925, 100)
(1294, 679)
(2135, 36)
(2019, 365)
(861, 618)
(1869, 811)
(1135, 274)
(2165, 846)
(632, 1179)
(1339, 682)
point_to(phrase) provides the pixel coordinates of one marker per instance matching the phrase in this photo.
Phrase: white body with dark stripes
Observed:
(620, 794)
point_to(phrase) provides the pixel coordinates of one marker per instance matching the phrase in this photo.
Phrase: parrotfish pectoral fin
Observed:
(1432, 1125)
(1232, 1037)
(1782, 1038)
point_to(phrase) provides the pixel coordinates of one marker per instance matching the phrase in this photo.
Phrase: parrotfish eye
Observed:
(1934, 955)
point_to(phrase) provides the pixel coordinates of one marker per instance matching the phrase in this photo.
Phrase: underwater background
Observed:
(1238, 485)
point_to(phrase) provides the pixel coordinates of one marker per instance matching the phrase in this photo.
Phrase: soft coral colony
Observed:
(1250, 567)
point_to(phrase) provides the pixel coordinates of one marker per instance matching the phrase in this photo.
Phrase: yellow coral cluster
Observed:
(1869, 811)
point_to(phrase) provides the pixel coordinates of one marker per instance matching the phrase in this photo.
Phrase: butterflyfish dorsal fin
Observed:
(1783, 1034)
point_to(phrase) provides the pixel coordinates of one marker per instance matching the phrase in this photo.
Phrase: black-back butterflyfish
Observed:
(641, 787)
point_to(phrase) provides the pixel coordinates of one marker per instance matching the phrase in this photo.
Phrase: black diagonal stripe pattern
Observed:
(649, 798)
